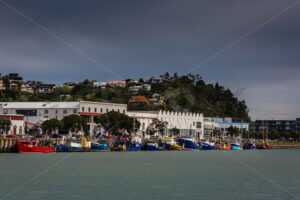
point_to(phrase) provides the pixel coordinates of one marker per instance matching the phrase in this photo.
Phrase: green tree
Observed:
(115, 120)
(159, 126)
(74, 123)
(233, 131)
(4, 125)
(52, 125)
(175, 131)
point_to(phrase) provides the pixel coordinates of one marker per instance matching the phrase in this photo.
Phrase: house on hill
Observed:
(138, 100)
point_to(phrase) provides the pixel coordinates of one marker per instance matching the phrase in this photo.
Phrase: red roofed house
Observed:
(138, 100)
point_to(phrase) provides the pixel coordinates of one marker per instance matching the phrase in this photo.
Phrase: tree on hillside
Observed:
(115, 120)
(52, 125)
(74, 123)
(4, 125)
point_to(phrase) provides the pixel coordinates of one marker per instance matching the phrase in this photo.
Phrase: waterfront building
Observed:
(223, 124)
(37, 112)
(17, 126)
(282, 126)
(189, 124)
(90, 110)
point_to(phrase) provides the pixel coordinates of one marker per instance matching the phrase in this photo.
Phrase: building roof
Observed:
(138, 99)
(37, 105)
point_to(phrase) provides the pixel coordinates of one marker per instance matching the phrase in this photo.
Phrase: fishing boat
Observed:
(249, 145)
(27, 146)
(189, 144)
(206, 145)
(264, 146)
(152, 146)
(99, 147)
(134, 147)
(170, 143)
(75, 145)
(225, 147)
(235, 146)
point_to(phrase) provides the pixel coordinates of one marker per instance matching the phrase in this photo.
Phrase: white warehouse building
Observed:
(35, 113)
(189, 124)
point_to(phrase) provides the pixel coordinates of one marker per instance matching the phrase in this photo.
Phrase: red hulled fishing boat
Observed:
(27, 146)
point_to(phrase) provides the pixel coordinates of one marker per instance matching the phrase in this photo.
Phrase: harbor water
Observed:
(269, 174)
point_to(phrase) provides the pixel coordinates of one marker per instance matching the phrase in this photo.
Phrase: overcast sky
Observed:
(72, 40)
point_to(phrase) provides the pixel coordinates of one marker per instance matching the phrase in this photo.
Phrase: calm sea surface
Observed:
(269, 174)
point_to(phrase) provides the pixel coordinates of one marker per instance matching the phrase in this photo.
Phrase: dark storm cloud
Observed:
(142, 38)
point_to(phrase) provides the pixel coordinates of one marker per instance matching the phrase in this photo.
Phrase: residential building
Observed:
(154, 80)
(189, 124)
(99, 85)
(298, 125)
(69, 84)
(117, 83)
(27, 88)
(14, 77)
(146, 87)
(1, 85)
(138, 100)
(46, 88)
(135, 89)
(17, 124)
(282, 126)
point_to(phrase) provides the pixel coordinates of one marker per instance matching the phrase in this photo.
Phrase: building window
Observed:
(193, 123)
(118, 110)
(74, 111)
(46, 111)
(65, 111)
(46, 117)
(95, 110)
(113, 110)
(5, 111)
(89, 109)
(82, 109)
(123, 111)
(107, 110)
(101, 110)
(56, 111)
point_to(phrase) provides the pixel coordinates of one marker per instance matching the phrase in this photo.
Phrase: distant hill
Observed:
(173, 93)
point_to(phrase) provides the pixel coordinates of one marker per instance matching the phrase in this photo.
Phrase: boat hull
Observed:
(136, 147)
(188, 144)
(27, 148)
(153, 148)
(236, 148)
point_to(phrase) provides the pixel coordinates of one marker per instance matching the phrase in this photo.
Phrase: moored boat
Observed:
(249, 146)
(235, 146)
(188, 144)
(170, 143)
(206, 145)
(27, 146)
(152, 146)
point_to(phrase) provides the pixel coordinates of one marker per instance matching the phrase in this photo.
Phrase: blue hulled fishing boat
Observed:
(188, 144)
(152, 146)
(206, 145)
